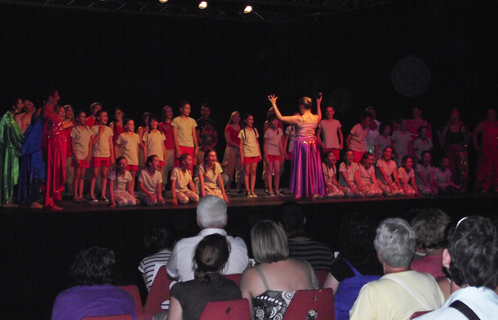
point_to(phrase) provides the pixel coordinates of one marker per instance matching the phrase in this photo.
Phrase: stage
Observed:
(39, 246)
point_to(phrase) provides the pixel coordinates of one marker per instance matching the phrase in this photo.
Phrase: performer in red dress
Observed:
(54, 148)
(487, 169)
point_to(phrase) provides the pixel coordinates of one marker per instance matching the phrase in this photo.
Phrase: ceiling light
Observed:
(163, 1)
(248, 9)
(203, 5)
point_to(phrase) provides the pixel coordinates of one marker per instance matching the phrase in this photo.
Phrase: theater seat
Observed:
(234, 277)
(311, 304)
(159, 292)
(133, 291)
(227, 310)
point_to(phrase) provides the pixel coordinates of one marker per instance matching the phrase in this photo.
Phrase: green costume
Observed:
(11, 140)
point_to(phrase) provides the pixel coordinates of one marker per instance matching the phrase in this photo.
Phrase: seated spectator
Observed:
(188, 299)
(472, 260)
(356, 264)
(429, 226)
(162, 240)
(292, 220)
(94, 295)
(400, 292)
(270, 285)
(211, 218)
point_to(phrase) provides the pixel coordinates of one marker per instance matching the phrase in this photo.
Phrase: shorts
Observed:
(272, 158)
(249, 160)
(98, 162)
(131, 167)
(83, 164)
(161, 164)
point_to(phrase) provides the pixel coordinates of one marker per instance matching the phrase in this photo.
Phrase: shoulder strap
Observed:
(262, 276)
(463, 308)
(410, 291)
(312, 276)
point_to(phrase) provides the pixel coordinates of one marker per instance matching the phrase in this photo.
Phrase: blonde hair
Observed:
(269, 243)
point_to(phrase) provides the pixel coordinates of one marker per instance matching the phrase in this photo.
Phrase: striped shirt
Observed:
(150, 265)
(317, 254)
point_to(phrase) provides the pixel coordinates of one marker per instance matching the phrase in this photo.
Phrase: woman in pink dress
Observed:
(487, 169)
(306, 170)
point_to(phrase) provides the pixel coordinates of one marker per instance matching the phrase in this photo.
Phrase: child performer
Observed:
(329, 133)
(407, 177)
(251, 152)
(369, 185)
(334, 189)
(121, 185)
(274, 149)
(117, 127)
(386, 173)
(421, 144)
(356, 138)
(442, 177)
(103, 155)
(149, 182)
(69, 117)
(81, 145)
(184, 134)
(181, 181)
(166, 128)
(383, 140)
(350, 175)
(424, 177)
(232, 152)
(142, 129)
(210, 176)
(401, 140)
(129, 142)
(153, 142)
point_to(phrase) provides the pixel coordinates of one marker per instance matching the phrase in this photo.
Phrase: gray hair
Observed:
(212, 212)
(395, 242)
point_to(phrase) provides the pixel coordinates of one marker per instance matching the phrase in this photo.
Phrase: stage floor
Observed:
(38, 246)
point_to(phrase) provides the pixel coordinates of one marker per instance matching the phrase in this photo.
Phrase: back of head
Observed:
(473, 247)
(211, 255)
(356, 237)
(291, 217)
(395, 242)
(94, 266)
(306, 102)
(430, 226)
(160, 238)
(212, 212)
(269, 243)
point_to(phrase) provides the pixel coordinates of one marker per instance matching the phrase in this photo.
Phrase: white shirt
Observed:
(483, 301)
(129, 146)
(250, 142)
(102, 147)
(150, 181)
(274, 138)
(154, 144)
(184, 131)
(358, 136)
(81, 141)
(329, 133)
(180, 263)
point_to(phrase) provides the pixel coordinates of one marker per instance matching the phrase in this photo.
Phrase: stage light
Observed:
(248, 9)
(203, 5)
(163, 1)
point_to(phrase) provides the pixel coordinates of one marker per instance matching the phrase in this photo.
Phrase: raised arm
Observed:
(296, 119)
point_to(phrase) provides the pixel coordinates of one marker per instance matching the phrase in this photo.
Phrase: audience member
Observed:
(357, 263)
(400, 292)
(161, 240)
(302, 247)
(429, 226)
(94, 295)
(472, 260)
(211, 218)
(188, 299)
(270, 285)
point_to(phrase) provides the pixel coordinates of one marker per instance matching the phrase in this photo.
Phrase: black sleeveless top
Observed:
(455, 137)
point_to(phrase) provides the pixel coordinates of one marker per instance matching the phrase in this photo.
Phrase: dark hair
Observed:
(152, 117)
(149, 160)
(93, 105)
(430, 227)
(183, 103)
(94, 266)
(77, 114)
(97, 115)
(291, 217)
(126, 120)
(419, 130)
(383, 126)
(144, 118)
(182, 157)
(211, 255)
(206, 105)
(405, 158)
(473, 247)
(365, 115)
(365, 156)
(206, 154)
(160, 238)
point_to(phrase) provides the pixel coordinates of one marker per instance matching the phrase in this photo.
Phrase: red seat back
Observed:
(321, 275)
(227, 310)
(319, 304)
(234, 277)
(115, 317)
(133, 291)
(159, 292)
